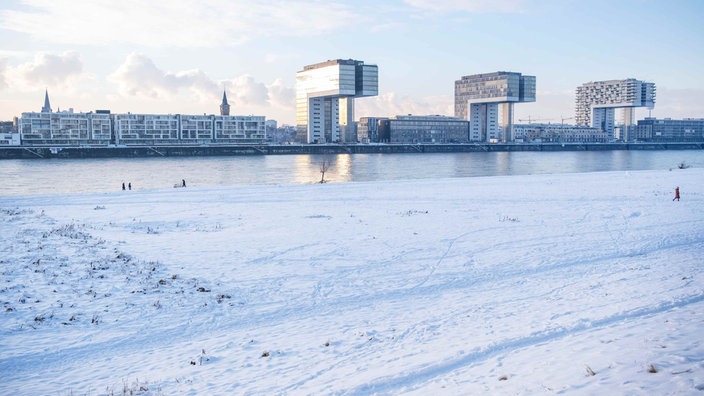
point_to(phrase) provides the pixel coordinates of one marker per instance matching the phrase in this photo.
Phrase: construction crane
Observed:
(566, 118)
(530, 120)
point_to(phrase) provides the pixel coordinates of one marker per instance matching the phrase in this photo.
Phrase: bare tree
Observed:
(324, 166)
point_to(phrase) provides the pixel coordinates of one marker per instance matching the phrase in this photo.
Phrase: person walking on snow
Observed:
(677, 194)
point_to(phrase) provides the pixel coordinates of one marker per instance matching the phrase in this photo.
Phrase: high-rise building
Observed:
(325, 95)
(596, 103)
(486, 100)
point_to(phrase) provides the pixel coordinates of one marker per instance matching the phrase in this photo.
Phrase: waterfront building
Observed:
(102, 128)
(64, 128)
(368, 129)
(558, 133)
(146, 129)
(669, 130)
(487, 100)
(423, 129)
(596, 103)
(325, 94)
(8, 133)
(155, 129)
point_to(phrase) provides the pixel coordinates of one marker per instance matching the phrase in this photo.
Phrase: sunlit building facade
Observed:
(423, 129)
(669, 130)
(67, 128)
(557, 133)
(368, 129)
(325, 94)
(487, 100)
(596, 103)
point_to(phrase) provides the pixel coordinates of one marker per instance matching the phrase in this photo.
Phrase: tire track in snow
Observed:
(399, 382)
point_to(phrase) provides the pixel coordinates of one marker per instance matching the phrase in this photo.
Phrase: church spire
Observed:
(224, 106)
(47, 106)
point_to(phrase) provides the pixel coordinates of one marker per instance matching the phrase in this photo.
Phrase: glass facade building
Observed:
(669, 130)
(486, 100)
(423, 129)
(325, 95)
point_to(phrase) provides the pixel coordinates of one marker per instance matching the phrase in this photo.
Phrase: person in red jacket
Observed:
(677, 194)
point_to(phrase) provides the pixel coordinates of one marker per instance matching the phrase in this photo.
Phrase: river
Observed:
(62, 176)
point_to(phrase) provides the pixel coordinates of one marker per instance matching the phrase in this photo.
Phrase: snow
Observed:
(547, 284)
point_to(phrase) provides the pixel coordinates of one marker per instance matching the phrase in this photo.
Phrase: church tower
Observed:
(47, 106)
(224, 106)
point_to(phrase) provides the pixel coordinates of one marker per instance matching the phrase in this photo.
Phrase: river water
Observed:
(60, 176)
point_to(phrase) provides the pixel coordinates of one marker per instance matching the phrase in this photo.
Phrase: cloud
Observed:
(472, 6)
(281, 96)
(140, 77)
(176, 23)
(390, 104)
(61, 71)
(245, 91)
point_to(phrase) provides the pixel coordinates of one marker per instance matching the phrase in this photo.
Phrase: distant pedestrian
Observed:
(677, 194)
(183, 182)
(129, 185)
(123, 186)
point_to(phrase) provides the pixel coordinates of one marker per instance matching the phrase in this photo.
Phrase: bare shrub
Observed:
(590, 372)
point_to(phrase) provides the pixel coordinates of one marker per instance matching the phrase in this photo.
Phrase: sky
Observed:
(177, 56)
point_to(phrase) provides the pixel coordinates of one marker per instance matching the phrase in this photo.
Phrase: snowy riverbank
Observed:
(577, 283)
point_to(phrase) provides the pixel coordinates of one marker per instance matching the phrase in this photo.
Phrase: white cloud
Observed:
(390, 104)
(58, 71)
(139, 77)
(245, 91)
(175, 23)
(473, 6)
(281, 95)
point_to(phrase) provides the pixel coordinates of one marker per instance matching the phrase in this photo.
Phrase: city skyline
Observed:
(134, 57)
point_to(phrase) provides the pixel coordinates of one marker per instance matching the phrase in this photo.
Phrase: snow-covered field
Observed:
(545, 284)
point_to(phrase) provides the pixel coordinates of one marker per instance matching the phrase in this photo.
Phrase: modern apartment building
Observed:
(596, 103)
(558, 133)
(103, 128)
(325, 94)
(65, 128)
(487, 100)
(423, 129)
(669, 130)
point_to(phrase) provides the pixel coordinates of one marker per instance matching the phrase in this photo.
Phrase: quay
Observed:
(70, 152)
